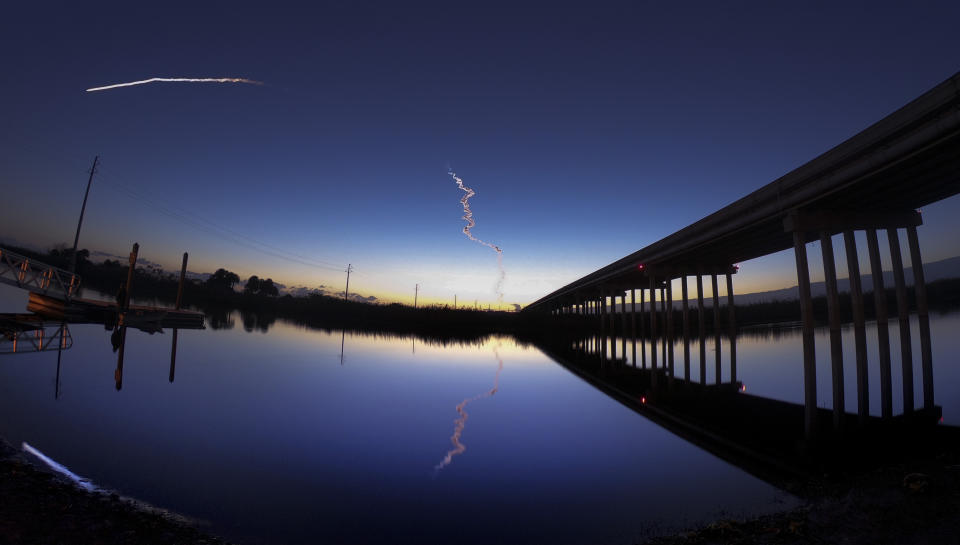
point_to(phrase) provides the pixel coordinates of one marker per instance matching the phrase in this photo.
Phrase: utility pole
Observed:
(76, 238)
(346, 292)
(416, 291)
(454, 301)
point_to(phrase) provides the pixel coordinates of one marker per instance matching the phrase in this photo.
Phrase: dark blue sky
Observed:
(588, 130)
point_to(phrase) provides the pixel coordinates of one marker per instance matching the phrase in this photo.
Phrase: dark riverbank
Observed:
(916, 502)
(38, 507)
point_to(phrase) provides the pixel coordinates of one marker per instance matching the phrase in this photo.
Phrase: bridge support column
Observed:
(669, 340)
(613, 314)
(653, 322)
(833, 313)
(716, 327)
(633, 323)
(903, 314)
(623, 324)
(920, 289)
(859, 327)
(663, 329)
(686, 327)
(701, 323)
(883, 332)
(643, 335)
(809, 355)
(732, 326)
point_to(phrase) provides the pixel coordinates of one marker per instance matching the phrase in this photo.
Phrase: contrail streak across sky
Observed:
(468, 217)
(176, 80)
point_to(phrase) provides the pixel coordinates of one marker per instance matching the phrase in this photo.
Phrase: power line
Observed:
(203, 224)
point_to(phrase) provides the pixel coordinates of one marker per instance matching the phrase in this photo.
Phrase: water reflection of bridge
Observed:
(760, 435)
(874, 181)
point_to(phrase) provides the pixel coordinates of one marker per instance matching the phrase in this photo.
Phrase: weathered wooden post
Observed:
(130, 271)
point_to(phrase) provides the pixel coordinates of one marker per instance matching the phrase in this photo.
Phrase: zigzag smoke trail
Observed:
(460, 422)
(468, 217)
(176, 80)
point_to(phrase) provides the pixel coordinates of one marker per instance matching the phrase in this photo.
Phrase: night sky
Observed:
(588, 130)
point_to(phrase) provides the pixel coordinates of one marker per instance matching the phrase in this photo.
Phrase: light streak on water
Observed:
(468, 217)
(459, 423)
(176, 80)
(82, 482)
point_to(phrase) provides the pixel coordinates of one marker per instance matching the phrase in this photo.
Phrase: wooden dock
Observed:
(78, 310)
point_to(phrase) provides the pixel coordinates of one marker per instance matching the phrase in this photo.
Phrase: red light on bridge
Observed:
(641, 266)
(743, 387)
(643, 399)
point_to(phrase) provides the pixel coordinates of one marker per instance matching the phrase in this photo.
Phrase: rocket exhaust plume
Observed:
(468, 217)
(176, 80)
(460, 422)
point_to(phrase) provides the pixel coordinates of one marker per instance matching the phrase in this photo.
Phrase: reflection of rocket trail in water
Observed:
(459, 423)
(176, 80)
(468, 217)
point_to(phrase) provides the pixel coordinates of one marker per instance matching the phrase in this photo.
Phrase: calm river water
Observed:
(274, 437)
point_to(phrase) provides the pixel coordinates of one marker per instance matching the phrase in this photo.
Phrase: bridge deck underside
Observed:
(906, 161)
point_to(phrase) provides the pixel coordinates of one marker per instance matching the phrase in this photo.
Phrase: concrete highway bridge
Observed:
(876, 180)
